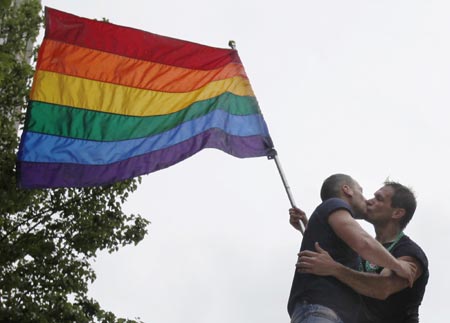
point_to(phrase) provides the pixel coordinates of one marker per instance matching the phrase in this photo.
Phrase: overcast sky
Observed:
(360, 87)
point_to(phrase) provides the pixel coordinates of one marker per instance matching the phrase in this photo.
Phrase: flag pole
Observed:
(274, 155)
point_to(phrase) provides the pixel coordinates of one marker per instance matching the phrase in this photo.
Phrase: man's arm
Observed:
(379, 286)
(367, 247)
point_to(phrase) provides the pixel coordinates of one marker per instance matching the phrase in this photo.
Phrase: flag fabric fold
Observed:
(110, 103)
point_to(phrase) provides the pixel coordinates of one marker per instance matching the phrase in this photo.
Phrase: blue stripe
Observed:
(53, 149)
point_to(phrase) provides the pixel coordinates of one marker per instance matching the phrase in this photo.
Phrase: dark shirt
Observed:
(327, 291)
(401, 307)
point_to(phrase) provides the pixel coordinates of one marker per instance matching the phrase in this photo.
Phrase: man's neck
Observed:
(387, 233)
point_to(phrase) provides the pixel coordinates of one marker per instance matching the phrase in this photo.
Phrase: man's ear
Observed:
(347, 190)
(398, 213)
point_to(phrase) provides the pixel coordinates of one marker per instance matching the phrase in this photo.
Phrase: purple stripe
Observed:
(51, 175)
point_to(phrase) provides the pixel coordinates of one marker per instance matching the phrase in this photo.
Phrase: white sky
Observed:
(359, 87)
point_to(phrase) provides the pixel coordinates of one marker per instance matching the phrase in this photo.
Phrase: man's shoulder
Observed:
(333, 204)
(406, 241)
(334, 201)
(408, 247)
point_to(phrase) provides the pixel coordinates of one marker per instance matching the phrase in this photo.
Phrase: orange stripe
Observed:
(101, 66)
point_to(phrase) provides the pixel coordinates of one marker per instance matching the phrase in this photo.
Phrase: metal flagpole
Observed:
(274, 155)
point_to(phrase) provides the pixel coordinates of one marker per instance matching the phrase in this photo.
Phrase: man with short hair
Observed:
(386, 297)
(325, 299)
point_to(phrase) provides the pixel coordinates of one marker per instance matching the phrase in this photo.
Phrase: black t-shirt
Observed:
(327, 291)
(401, 307)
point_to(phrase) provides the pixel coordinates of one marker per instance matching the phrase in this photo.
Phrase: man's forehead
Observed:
(385, 191)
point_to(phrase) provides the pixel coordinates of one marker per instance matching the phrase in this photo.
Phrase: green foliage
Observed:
(48, 238)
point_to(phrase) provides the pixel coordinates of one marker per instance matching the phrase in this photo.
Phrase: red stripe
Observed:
(134, 43)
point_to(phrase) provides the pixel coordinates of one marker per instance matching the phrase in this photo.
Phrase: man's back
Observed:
(327, 291)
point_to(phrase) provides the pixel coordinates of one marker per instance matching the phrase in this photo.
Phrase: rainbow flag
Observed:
(110, 103)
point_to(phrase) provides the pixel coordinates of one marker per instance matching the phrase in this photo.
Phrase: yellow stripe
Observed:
(106, 97)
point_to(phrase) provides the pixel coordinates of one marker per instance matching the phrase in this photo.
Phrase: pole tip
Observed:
(232, 44)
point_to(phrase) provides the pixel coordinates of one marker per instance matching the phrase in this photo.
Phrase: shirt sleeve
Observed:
(333, 205)
(407, 247)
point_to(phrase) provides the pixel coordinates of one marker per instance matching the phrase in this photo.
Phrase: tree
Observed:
(49, 237)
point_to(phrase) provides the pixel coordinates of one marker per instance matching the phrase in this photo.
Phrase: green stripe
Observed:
(91, 125)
